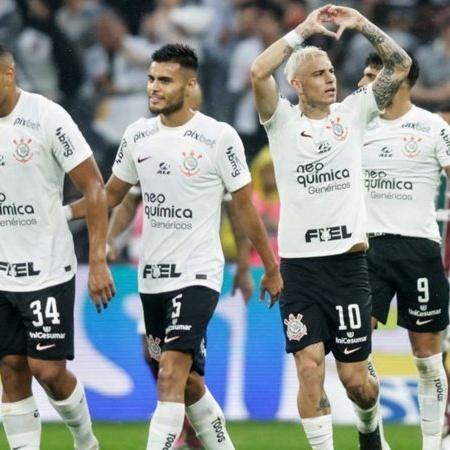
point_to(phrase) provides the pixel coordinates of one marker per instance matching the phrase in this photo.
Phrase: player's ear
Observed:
(297, 85)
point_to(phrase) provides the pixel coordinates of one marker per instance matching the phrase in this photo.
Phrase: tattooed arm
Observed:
(265, 88)
(396, 62)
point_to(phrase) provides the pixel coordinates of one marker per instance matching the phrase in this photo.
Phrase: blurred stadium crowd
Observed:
(92, 57)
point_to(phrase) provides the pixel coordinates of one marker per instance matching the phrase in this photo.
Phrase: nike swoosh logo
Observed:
(423, 322)
(18, 448)
(348, 351)
(173, 338)
(41, 347)
(142, 159)
(305, 134)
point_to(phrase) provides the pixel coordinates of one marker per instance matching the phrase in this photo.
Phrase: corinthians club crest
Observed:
(154, 347)
(190, 164)
(411, 146)
(295, 328)
(23, 152)
(338, 130)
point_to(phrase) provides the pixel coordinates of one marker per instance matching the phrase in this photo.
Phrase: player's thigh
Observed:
(381, 284)
(423, 290)
(12, 329)
(304, 322)
(349, 308)
(48, 315)
(155, 317)
(424, 345)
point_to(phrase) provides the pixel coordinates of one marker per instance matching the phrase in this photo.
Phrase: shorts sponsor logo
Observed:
(411, 146)
(42, 336)
(417, 126)
(318, 179)
(235, 170)
(66, 142)
(219, 429)
(27, 123)
(157, 271)
(22, 152)
(338, 130)
(350, 341)
(446, 138)
(120, 152)
(154, 347)
(420, 314)
(19, 270)
(190, 165)
(335, 233)
(164, 169)
(156, 207)
(423, 322)
(295, 328)
(200, 138)
(178, 327)
(40, 347)
(349, 351)
(142, 134)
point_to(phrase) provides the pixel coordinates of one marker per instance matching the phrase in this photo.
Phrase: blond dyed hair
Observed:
(298, 57)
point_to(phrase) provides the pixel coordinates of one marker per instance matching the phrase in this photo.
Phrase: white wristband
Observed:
(293, 39)
(68, 212)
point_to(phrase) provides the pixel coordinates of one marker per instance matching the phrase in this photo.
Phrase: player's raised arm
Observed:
(396, 62)
(265, 88)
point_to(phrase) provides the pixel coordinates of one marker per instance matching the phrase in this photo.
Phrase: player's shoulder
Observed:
(39, 104)
(207, 129)
(426, 120)
(141, 128)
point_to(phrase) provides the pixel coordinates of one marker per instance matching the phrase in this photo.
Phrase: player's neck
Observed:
(10, 102)
(398, 108)
(177, 118)
(316, 112)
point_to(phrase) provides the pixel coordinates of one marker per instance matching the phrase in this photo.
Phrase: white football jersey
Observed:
(39, 143)
(318, 172)
(183, 172)
(402, 161)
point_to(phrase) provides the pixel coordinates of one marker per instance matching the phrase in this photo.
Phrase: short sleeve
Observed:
(362, 105)
(67, 143)
(124, 166)
(230, 160)
(281, 115)
(442, 134)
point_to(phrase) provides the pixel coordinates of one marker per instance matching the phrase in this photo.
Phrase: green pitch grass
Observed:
(246, 436)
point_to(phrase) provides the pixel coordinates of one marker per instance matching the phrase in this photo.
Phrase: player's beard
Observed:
(168, 109)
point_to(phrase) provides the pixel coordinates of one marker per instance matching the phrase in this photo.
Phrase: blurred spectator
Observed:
(261, 26)
(116, 70)
(433, 85)
(77, 18)
(265, 199)
(10, 22)
(45, 55)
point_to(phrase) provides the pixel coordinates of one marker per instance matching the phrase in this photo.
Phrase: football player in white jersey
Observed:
(316, 149)
(39, 143)
(405, 150)
(181, 267)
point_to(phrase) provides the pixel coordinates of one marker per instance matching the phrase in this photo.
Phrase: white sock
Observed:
(208, 421)
(432, 399)
(367, 419)
(75, 414)
(319, 431)
(165, 426)
(22, 424)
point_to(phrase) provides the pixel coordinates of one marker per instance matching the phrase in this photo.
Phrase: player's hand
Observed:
(101, 285)
(243, 280)
(315, 23)
(343, 17)
(272, 283)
